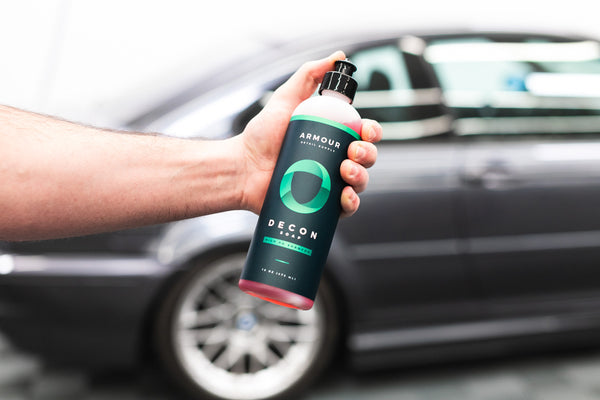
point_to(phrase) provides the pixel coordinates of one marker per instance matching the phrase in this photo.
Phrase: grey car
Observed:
(479, 233)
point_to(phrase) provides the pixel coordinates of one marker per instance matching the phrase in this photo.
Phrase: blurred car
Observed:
(479, 233)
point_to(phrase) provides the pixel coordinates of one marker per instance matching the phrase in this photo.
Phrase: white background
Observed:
(99, 61)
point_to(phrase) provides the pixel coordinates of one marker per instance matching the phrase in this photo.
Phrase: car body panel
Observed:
(532, 215)
(184, 240)
(86, 310)
(404, 234)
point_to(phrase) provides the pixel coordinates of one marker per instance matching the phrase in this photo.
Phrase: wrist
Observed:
(235, 154)
(216, 176)
(239, 159)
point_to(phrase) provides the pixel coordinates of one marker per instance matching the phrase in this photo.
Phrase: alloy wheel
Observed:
(235, 346)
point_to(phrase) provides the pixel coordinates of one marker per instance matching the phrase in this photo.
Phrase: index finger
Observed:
(371, 131)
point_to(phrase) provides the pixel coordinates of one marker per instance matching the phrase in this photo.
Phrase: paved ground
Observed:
(566, 377)
(574, 376)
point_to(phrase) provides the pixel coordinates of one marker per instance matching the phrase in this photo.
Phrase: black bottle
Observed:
(302, 206)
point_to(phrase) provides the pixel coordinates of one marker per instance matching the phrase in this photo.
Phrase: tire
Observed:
(220, 343)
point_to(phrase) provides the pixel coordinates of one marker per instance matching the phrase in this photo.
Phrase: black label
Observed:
(302, 207)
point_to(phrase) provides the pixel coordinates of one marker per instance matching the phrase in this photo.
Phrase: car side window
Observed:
(387, 92)
(528, 87)
(381, 68)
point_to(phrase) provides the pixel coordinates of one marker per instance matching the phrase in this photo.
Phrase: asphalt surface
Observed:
(573, 376)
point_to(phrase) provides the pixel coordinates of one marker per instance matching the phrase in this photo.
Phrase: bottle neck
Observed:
(333, 93)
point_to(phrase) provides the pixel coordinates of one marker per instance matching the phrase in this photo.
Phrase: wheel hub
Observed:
(246, 321)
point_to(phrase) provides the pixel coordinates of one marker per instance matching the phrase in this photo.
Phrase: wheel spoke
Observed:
(207, 317)
(222, 289)
(226, 359)
(205, 336)
(264, 355)
(277, 313)
(280, 348)
(278, 334)
(213, 352)
(216, 335)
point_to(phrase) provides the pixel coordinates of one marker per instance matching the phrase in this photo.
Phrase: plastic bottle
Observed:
(302, 206)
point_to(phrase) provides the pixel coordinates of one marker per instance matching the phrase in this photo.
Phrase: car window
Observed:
(388, 91)
(381, 68)
(533, 86)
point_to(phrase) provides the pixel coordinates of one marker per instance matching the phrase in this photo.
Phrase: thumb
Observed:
(305, 80)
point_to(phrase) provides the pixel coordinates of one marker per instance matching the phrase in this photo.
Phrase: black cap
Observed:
(340, 79)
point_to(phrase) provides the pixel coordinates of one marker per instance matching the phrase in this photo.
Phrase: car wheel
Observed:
(221, 343)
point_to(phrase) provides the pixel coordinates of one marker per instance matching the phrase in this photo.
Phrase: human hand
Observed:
(263, 136)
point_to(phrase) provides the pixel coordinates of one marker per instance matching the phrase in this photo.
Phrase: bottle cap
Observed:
(340, 79)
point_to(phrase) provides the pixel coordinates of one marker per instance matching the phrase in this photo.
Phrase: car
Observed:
(479, 233)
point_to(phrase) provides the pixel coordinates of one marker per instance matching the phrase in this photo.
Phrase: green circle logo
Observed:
(317, 202)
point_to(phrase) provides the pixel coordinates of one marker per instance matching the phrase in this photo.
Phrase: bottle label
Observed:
(302, 206)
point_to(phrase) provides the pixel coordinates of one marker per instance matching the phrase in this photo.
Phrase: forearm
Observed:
(63, 179)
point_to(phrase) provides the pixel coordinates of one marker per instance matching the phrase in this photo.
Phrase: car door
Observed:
(401, 250)
(533, 217)
(532, 167)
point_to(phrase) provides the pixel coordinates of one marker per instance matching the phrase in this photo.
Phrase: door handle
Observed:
(492, 177)
(7, 264)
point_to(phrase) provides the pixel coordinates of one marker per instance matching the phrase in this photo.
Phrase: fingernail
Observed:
(372, 134)
(337, 55)
(354, 198)
(360, 153)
